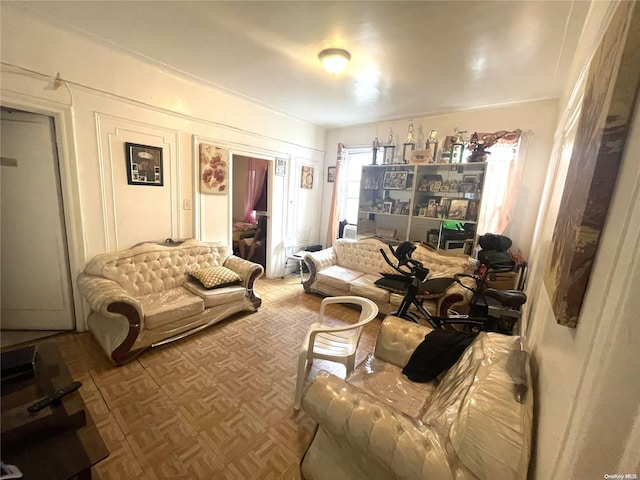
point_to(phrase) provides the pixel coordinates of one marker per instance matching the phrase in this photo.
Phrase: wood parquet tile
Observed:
(216, 405)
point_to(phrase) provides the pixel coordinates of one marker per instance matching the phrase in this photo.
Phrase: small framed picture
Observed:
(432, 210)
(281, 167)
(458, 209)
(306, 177)
(457, 152)
(443, 208)
(435, 186)
(472, 210)
(422, 212)
(144, 165)
(331, 174)
(386, 207)
(469, 178)
(395, 180)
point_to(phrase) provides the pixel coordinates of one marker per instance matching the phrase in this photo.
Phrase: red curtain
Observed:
(255, 183)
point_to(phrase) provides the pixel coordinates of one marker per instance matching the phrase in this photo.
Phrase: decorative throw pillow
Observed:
(215, 277)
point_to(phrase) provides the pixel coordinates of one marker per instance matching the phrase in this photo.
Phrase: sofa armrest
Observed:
(317, 261)
(121, 316)
(456, 297)
(101, 293)
(249, 272)
(398, 339)
(375, 432)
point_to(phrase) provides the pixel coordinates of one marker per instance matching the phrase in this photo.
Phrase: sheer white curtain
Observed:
(502, 179)
(338, 189)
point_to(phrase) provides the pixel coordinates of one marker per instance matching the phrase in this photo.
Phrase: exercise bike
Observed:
(490, 309)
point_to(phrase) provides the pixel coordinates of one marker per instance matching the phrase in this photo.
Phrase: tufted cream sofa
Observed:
(351, 267)
(466, 425)
(143, 297)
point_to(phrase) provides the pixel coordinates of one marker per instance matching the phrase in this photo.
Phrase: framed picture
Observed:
(386, 207)
(395, 180)
(458, 209)
(331, 174)
(457, 152)
(144, 165)
(443, 208)
(281, 167)
(472, 210)
(214, 169)
(435, 186)
(469, 178)
(422, 212)
(466, 187)
(432, 210)
(306, 178)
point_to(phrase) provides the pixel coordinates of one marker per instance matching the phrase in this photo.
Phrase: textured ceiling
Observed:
(408, 58)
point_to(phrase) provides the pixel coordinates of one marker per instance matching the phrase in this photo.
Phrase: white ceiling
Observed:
(408, 58)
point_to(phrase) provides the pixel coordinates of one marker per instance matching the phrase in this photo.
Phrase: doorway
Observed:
(34, 260)
(250, 208)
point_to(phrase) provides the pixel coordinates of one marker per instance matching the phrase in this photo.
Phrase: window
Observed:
(500, 188)
(356, 158)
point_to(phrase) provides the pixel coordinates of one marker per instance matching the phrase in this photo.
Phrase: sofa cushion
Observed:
(338, 277)
(490, 434)
(364, 286)
(164, 307)
(215, 277)
(216, 296)
(385, 382)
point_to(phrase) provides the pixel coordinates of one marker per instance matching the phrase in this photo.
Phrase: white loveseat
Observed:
(144, 296)
(351, 267)
(472, 423)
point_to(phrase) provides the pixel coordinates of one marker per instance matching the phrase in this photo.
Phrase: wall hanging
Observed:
(144, 165)
(214, 169)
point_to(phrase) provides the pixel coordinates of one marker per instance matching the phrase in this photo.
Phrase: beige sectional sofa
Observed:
(145, 296)
(474, 422)
(351, 267)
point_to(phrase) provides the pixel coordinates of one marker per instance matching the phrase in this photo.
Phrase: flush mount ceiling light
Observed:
(334, 60)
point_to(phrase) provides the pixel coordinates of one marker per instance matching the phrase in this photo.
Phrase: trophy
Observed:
(409, 144)
(389, 149)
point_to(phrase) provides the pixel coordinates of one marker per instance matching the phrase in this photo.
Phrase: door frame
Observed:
(274, 238)
(69, 187)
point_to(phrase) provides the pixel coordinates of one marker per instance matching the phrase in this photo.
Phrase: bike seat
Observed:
(507, 298)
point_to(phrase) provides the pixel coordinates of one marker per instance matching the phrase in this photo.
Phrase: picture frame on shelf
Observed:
(457, 153)
(472, 210)
(466, 187)
(394, 180)
(432, 210)
(443, 208)
(144, 165)
(435, 186)
(458, 209)
(422, 212)
(386, 207)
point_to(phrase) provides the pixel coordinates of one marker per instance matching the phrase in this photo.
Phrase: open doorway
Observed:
(250, 208)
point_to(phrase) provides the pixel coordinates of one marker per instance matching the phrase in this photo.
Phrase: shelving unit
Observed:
(420, 201)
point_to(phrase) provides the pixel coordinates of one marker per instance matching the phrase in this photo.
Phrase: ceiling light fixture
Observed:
(334, 60)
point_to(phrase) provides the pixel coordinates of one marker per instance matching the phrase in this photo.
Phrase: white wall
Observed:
(108, 98)
(536, 119)
(587, 382)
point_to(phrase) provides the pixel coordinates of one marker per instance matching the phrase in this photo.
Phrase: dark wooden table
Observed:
(62, 441)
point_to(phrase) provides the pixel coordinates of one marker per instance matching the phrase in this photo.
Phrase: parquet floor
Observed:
(216, 405)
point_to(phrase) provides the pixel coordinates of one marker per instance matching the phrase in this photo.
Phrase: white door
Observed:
(34, 266)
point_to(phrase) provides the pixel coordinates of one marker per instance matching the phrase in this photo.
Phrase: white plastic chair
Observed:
(337, 344)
